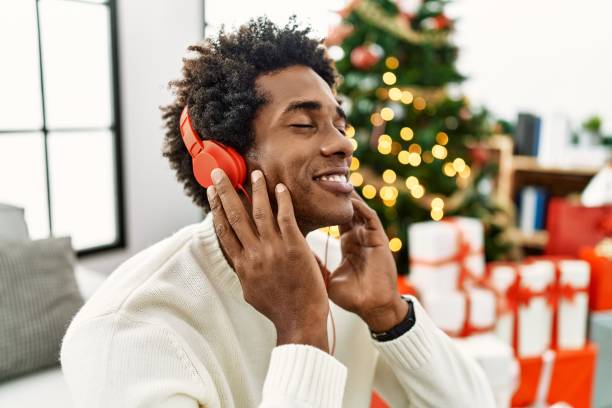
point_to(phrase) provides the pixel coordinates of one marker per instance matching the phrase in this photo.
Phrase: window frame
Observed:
(114, 128)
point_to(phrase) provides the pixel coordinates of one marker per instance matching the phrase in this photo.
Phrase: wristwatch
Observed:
(399, 329)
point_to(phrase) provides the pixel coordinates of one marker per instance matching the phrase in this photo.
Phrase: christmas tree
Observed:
(417, 141)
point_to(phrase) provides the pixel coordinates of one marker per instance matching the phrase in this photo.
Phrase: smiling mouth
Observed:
(334, 183)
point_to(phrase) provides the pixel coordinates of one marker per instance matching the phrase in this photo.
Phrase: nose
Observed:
(335, 143)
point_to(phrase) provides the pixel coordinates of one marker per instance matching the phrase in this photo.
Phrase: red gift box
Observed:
(600, 289)
(563, 376)
(571, 226)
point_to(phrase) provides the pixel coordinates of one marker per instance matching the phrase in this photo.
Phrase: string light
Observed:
(412, 182)
(387, 113)
(389, 78)
(350, 131)
(392, 62)
(334, 231)
(437, 203)
(356, 179)
(442, 138)
(354, 164)
(369, 191)
(386, 193)
(403, 157)
(436, 214)
(414, 159)
(417, 191)
(427, 157)
(465, 173)
(384, 148)
(354, 143)
(414, 148)
(389, 176)
(459, 164)
(376, 119)
(406, 133)
(449, 169)
(419, 103)
(439, 152)
(381, 93)
(395, 244)
(384, 138)
(389, 203)
(395, 94)
(406, 97)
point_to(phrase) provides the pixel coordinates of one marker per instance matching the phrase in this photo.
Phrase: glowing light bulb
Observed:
(412, 182)
(369, 191)
(389, 176)
(350, 131)
(419, 103)
(389, 78)
(403, 157)
(395, 94)
(406, 97)
(395, 244)
(442, 138)
(436, 214)
(392, 62)
(418, 191)
(387, 114)
(356, 179)
(437, 203)
(439, 152)
(354, 164)
(459, 164)
(406, 133)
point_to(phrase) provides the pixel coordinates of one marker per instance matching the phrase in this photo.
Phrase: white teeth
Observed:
(340, 178)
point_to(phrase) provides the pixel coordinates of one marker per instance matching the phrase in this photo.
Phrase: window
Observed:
(59, 119)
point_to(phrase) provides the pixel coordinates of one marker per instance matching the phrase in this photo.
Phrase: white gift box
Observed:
(573, 304)
(449, 310)
(498, 363)
(439, 249)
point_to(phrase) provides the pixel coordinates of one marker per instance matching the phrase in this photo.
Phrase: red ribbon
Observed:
(464, 250)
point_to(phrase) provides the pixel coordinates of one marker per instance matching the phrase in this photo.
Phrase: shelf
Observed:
(530, 164)
(537, 239)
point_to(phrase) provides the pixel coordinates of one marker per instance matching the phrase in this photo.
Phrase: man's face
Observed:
(299, 141)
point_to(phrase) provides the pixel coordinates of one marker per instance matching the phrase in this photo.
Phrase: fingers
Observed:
(262, 212)
(369, 216)
(236, 214)
(224, 230)
(285, 216)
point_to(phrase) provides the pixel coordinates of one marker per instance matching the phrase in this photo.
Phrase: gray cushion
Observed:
(39, 296)
(12, 223)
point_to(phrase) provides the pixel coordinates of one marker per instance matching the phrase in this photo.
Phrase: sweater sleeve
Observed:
(430, 369)
(117, 361)
(302, 376)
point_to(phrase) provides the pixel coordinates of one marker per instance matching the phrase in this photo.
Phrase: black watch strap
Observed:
(399, 329)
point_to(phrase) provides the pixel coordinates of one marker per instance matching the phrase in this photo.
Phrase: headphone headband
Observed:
(190, 136)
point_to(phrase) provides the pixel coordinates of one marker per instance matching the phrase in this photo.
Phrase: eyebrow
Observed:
(312, 106)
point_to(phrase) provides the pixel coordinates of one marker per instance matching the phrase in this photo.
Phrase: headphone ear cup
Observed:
(203, 164)
(224, 157)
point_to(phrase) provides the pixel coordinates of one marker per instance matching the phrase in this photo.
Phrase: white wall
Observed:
(153, 36)
(543, 56)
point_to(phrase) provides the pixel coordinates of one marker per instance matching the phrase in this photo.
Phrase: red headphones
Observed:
(208, 154)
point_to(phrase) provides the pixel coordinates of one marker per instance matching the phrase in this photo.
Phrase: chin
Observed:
(335, 212)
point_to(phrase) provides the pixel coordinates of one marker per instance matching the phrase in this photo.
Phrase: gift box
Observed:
(498, 363)
(601, 335)
(562, 376)
(600, 290)
(461, 313)
(544, 303)
(444, 254)
(571, 226)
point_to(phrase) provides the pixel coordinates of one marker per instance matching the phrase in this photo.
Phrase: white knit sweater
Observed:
(170, 328)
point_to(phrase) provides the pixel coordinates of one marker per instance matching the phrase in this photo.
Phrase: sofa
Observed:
(47, 387)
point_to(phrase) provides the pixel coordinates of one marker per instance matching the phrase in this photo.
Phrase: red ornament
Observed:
(442, 22)
(364, 57)
(479, 155)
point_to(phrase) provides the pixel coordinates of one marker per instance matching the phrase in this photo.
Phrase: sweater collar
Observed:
(209, 252)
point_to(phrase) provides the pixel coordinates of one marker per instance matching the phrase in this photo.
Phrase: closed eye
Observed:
(302, 125)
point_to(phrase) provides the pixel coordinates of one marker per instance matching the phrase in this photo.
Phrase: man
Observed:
(233, 311)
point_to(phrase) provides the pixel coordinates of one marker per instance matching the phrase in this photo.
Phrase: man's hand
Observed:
(278, 272)
(365, 283)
